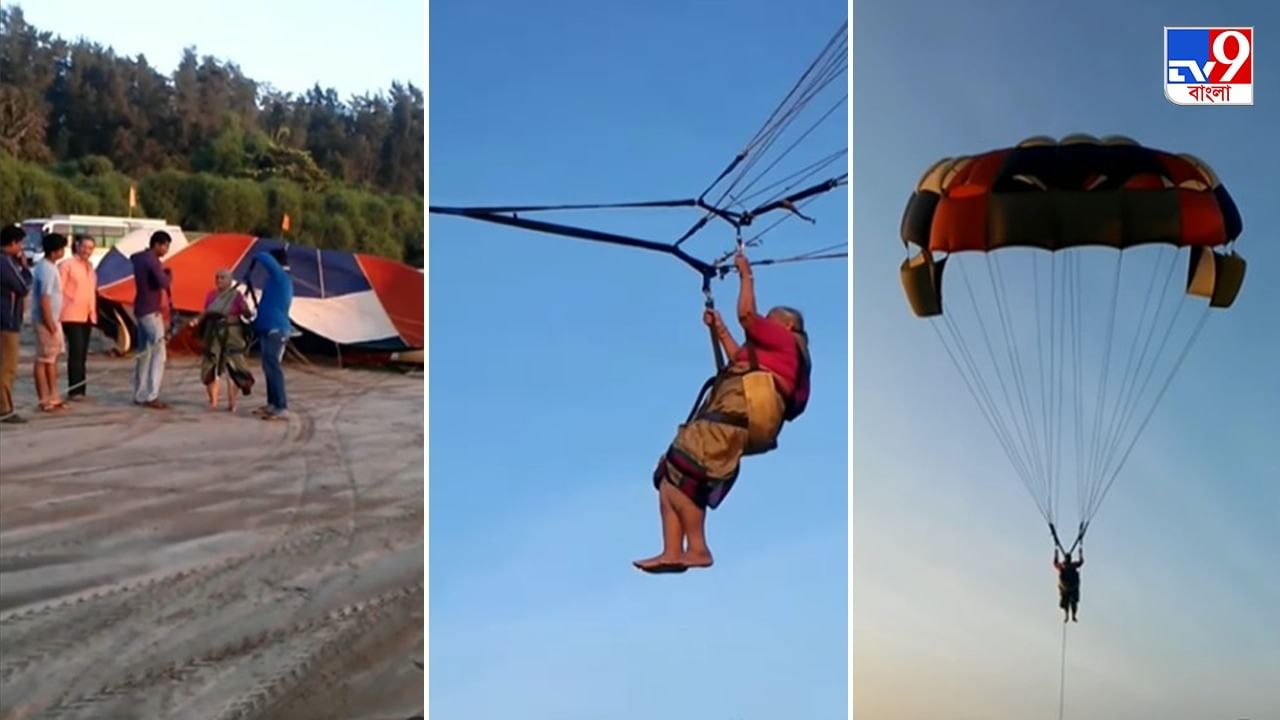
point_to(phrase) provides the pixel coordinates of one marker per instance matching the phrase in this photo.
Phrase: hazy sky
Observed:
(954, 602)
(561, 368)
(292, 44)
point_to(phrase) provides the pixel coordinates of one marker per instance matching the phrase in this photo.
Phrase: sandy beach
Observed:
(198, 564)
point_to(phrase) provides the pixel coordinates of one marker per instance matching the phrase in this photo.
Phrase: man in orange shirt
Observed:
(79, 311)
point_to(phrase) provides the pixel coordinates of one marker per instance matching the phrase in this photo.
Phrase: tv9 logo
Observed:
(1209, 65)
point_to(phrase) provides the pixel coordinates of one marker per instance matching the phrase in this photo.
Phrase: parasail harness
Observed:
(1057, 542)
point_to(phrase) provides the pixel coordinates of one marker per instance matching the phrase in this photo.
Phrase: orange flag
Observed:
(133, 197)
(284, 223)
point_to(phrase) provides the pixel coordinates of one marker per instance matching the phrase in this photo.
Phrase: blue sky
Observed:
(561, 368)
(291, 44)
(954, 606)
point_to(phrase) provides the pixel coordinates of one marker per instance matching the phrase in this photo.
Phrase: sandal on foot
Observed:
(662, 568)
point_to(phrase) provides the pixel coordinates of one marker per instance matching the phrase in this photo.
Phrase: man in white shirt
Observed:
(46, 312)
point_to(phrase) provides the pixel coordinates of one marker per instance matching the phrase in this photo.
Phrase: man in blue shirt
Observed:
(46, 314)
(273, 328)
(151, 281)
(15, 284)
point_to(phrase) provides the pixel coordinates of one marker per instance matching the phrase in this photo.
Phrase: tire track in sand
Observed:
(326, 633)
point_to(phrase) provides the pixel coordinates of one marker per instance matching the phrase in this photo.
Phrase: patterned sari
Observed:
(223, 337)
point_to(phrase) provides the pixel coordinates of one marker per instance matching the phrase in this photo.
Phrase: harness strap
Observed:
(687, 465)
(1053, 530)
(709, 386)
(1080, 536)
(703, 490)
(724, 418)
(710, 304)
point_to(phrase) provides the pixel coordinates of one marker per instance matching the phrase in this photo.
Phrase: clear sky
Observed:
(954, 602)
(292, 44)
(560, 370)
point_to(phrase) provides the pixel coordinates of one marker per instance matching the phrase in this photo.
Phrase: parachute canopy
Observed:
(1079, 192)
(352, 300)
(140, 239)
(1062, 314)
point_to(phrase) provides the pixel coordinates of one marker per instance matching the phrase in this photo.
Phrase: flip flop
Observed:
(662, 568)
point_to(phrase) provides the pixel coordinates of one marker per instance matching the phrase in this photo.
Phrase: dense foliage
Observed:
(207, 148)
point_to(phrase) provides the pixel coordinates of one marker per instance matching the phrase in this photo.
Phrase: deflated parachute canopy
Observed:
(359, 302)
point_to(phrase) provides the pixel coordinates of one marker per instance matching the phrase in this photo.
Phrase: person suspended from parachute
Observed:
(1048, 202)
(1068, 584)
(765, 385)
(765, 382)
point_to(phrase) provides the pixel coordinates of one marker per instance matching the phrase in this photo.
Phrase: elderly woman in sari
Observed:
(747, 403)
(222, 334)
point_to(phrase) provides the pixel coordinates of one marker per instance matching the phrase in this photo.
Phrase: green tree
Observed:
(207, 147)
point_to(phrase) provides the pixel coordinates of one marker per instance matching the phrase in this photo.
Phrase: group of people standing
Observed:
(64, 309)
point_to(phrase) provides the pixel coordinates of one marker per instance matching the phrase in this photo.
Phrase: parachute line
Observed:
(1137, 391)
(1077, 342)
(1186, 350)
(799, 176)
(977, 388)
(1106, 371)
(1128, 382)
(1017, 446)
(783, 155)
(736, 184)
(1061, 342)
(830, 64)
(996, 277)
(1033, 392)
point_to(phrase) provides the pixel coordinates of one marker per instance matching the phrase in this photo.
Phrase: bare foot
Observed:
(661, 564)
(701, 559)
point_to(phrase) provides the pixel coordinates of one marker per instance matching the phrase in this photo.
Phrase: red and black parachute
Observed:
(1060, 310)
